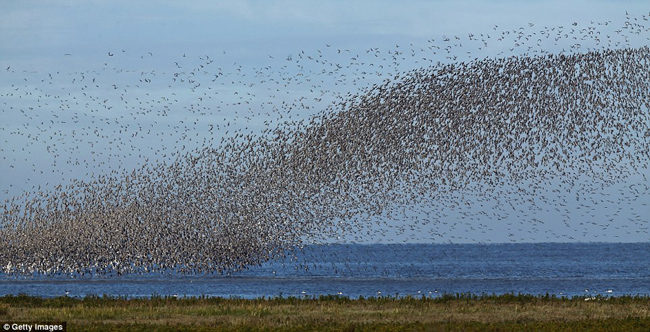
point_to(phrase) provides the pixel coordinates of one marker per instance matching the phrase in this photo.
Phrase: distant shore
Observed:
(450, 312)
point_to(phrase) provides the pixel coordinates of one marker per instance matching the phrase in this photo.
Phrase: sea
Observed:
(379, 270)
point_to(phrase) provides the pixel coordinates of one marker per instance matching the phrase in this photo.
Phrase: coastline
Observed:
(449, 312)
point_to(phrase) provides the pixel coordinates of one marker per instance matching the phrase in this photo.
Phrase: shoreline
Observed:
(449, 312)
(441, 297)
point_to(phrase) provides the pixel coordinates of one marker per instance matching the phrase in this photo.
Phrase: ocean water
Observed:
(353, 270)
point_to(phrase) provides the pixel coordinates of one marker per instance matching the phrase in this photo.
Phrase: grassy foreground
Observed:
(460, 312)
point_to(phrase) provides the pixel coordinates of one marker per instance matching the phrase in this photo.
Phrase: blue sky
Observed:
(253, 45)
(34, 30)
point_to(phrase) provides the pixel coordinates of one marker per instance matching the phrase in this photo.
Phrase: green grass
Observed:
(451, 312)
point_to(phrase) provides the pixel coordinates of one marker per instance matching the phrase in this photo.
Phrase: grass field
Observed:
(460, 312)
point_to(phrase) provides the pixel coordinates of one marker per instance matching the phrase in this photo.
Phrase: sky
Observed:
(90, 87)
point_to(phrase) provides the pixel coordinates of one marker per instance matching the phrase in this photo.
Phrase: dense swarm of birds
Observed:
(508, 128)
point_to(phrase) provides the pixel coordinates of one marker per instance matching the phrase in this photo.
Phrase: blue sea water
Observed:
(353, 270)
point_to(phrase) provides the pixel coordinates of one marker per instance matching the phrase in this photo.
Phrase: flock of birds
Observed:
(519, 133)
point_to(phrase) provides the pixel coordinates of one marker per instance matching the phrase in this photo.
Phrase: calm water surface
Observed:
(561, 269)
